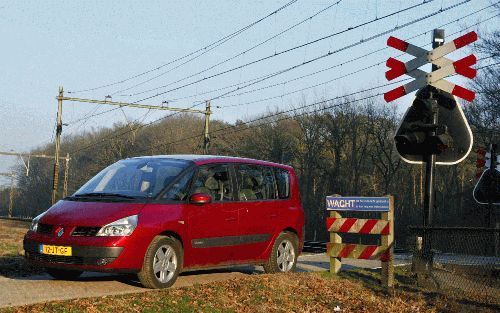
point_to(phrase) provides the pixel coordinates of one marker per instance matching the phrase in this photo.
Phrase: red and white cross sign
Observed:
(436, 56)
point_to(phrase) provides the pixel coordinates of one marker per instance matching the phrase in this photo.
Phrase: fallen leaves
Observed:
(293, 292)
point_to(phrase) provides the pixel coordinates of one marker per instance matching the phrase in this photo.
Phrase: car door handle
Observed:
(231, 219)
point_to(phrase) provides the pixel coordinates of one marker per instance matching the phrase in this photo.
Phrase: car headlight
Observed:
(34, 222)
(122, 227)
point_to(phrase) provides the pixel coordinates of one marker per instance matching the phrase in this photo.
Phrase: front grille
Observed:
(57, 258)
(85, 231)
(44, 229)
(73, 260)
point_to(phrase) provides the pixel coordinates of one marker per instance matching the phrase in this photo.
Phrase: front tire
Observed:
(162, 263)
(284, 254)
(61, 274)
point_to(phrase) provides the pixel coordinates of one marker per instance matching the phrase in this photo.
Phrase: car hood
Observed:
(79, 213)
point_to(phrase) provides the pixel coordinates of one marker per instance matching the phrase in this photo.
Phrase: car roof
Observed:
(206, 159)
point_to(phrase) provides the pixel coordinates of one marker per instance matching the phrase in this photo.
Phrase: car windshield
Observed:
(133, 178)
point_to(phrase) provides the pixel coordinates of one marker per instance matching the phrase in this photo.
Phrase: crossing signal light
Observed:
(487, 189)
(480, 161)
(413, 136)
(484, 160)
(450, 138)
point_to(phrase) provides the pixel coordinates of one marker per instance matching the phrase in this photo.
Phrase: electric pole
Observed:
(206, 137)
(55, 180)
(60, 98)
(11, 193)
(42, 156)
(207, 112)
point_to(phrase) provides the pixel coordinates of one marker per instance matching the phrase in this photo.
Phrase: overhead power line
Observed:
(261, 78)
(203, 50)
(333, 66)
(317, 58)
(226, 129)
(336, 51)
(290, 50)
(328, 81)
(230, 58)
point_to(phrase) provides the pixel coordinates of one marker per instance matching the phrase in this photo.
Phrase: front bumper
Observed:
(101, 254)
(81, 255)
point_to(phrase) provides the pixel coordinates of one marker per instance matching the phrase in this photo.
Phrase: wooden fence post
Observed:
(335, 263)
(387, 242)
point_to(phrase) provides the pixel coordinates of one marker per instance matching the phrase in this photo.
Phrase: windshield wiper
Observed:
(103, 195)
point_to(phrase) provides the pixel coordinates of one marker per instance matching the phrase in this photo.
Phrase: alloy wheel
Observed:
(286, 256)
(164, 263)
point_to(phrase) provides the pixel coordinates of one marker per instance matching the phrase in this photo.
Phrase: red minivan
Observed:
(159, 215)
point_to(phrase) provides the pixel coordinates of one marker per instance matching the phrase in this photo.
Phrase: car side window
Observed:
(283, 182)
(214, 180)
(269, 183)
(179, 191)
(255, 183)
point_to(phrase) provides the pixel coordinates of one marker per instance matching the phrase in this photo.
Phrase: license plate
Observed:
(55, 250)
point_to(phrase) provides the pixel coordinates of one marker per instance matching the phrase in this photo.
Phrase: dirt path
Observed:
(41, 288)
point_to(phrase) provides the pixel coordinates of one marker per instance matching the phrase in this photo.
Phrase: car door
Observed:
(213, 227)
(258, 212)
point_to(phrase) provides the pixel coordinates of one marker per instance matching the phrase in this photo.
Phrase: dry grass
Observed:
(12, 262)
(292, 292)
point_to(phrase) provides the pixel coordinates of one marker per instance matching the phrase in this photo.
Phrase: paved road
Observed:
(41, 288)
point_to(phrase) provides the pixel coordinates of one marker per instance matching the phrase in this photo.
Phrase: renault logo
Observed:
(60, 232)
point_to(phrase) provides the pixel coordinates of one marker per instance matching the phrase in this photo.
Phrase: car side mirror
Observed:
(200, 199)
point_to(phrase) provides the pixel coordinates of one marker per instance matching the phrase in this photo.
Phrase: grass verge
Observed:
(12, 263)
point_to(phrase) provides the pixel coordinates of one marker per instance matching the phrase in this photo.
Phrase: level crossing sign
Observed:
(335, 203)
(437, 57)
(439, 129)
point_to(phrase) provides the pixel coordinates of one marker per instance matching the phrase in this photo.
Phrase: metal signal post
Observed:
(429, 197)
(430, 161)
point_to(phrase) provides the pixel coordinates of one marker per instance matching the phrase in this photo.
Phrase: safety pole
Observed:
(55, 180)
(206, 138)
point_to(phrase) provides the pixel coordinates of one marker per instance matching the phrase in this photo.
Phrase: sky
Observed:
(83, 45)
